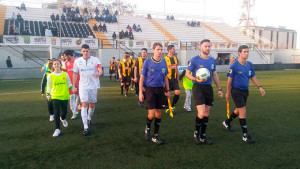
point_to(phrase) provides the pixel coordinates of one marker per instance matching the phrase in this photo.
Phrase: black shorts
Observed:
(173, 84)
(112, 71)
(239, 97)
(154, 97)
(126, 79)
(203, 94)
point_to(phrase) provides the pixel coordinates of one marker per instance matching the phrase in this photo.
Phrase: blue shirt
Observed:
(198, 62)
(154, 72)
(241, 74)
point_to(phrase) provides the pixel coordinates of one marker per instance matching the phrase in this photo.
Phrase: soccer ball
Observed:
(203, 74)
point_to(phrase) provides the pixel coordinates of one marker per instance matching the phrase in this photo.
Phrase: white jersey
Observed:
(87, 70)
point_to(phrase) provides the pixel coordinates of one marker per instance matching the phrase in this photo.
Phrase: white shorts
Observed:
(88, 95)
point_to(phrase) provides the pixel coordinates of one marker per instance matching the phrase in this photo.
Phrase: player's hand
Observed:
(74, 89)
(43, 95)
(227, 96)
(200, 81)
(135, 80)
(144, 89)
(141, 97)
(262, 91)
(97, 75)
(220, 94)
(167, 94)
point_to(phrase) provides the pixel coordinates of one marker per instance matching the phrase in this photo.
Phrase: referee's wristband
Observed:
(259, 86)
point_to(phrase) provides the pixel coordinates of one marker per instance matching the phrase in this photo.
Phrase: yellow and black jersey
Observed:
(172, 63)
(125, 68)
(113, 65)
(139, 65)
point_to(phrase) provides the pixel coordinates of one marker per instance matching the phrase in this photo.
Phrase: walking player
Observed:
(124, 73)
(153, 78)
(202, 90)
(112, 68)
(89, 69)
(137, 71)
(238, 83)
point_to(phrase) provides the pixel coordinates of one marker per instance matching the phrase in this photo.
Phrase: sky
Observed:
(266, 12)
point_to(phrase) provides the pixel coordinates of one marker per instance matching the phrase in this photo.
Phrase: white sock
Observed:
(91, 112)
(73, 103)
(77, 102)
(84, 117)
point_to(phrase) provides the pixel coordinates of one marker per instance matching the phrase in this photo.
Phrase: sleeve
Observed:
(166, 67)
(214, 63)
(231, 71)
(69, 83)
(252, 71)
(192, 66)
(136, 62)
(48, 86)
(43, 84)
(98, 62)
(182, 74)
(75, 67)
(144, 68)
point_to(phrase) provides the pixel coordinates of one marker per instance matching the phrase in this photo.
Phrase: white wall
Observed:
(287, 56)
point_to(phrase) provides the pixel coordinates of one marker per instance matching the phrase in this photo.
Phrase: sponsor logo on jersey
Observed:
(201, 66)
(230, 71)
(249, 72)
(172, 66)
(152, 70)
(212, 66)
(240, 72)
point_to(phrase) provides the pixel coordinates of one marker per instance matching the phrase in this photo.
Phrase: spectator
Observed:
(17, 31)
(100, 27)
(198, 24)
(104, 28)
(69, 10)
(11, 29)
(97, 11)
(8, 62)
(95, 28)
(168, 17)
(77, 10)
(126, 34)
(23, 6)
(116, 12)
(139, 28)
(97, 18)
(128, 27)
(48, 32)
(43, 30)
(19, 17)
(52, 17)
(226, 62)
(131, 37)
(63, 18)
(54, 31)
(218, 61)
(13, 16)
(27, 30)
(64, 9)
(114, 36)
(57, 17)
(90, 36)
(134, 27)
(232, 60)
(85, 11)
(172, 17)
(149, 16)
(87, 17)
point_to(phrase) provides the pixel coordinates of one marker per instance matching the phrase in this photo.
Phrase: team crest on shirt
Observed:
(201, 66)
(68, 64)
(249, 72)
(212, 66)
(230, 71)
(152, 70)
(163, 70)
(240, 72)
(80, 62)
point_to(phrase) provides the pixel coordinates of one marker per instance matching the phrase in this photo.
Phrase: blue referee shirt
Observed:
(198, 62)
(241, 74)
(154, 72)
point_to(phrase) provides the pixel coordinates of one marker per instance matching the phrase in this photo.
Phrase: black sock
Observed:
(149, 122)
(243, 126)
(175, 100)
(110, 77)
(126, 88)
(156, 125)
(231, 117)
(204, 125)
(115, 77)
(122, 89)
(198, 122)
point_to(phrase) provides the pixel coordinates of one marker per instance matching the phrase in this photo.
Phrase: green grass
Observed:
(117, 138)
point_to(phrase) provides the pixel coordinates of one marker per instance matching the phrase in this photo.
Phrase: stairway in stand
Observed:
(216, 32)
(2, 18)
(100, 35)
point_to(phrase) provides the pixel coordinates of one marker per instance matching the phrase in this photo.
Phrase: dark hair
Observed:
(144, 49)
(204, 40)
(54, 61)
(242, 47)
(189, 62)
(170, 47)
(50, 64)
(113, 57)
(126, 53)
(68, 52)
(85, 46)
(156, 44)
(73, 51)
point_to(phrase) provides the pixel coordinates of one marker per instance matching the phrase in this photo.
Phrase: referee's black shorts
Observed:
(203, 94)
(173, 84)
(239, 97)
(154, 97)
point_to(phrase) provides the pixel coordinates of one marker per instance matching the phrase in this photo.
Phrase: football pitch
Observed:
(117, 137)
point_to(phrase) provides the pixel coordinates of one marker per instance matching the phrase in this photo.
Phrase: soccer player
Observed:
(117, 70)
(69, 64)
(124, 73)
(154, 78)
(132, 62)
(58, 85)
(239, 74)
(137, 72)
(188, 86)
(89, 69)
(45, 67)
(202, 90)
(44, 87)
(112, 68)
(173, 76)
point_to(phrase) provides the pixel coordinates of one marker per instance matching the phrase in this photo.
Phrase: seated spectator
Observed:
(54, 31)
(97, 18)
(103, 11)
(134, 27)
(13, 16)
(52, 17)
(48, 32)
(57, 17)
(101, 18)
(100, 27)
(128, 27)
(16, 31)
(19, 17)
(114, 19)
(11, 29)
(77, 10)
(104, 28)
(43, 30)
(63, 18)
(149, 16)
(69, 9)
(64, 9)
(131, 37)
(90, 36)
(116, 12)
(87, 18)
(23, 6)
(188, 23)
(97, 11)
(198, 24)
(114, 36)
(172, 17)
(27, 30)
(139, 28)
(226, 62)
(126, 34)
(85, 11)
(168, 17)
(95, 28)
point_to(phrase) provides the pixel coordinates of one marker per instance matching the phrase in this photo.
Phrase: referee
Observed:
(153, 78)
(239, 74)
(202, 90)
